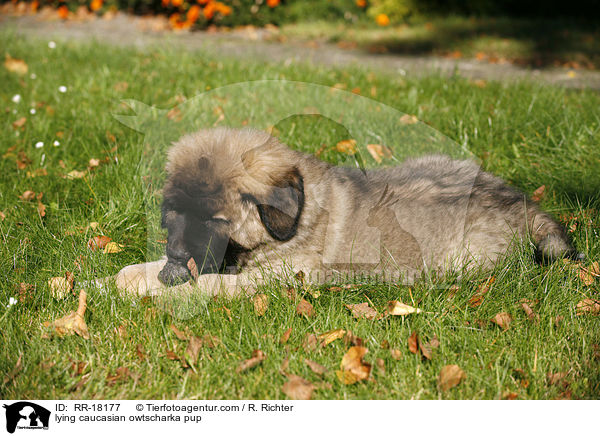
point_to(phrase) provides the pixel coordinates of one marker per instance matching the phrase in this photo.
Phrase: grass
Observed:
(529, 134)
(537, 43)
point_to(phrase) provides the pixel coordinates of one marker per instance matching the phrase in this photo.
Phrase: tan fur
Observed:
(430, 214)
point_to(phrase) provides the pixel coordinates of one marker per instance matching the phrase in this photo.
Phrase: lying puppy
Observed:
(239, 202)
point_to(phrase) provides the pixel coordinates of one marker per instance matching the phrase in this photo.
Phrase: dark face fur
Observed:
(202, 212)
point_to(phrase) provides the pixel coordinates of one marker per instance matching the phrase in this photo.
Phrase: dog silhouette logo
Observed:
(26, 415)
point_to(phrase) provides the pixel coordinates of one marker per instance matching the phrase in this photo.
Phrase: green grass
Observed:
(527, 133)
(537, 43)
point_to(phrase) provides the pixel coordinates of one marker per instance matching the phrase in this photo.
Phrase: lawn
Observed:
(530, 134)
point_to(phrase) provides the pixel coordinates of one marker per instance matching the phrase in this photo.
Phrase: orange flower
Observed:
(273, 3)
(382, 20)
(165, 3)
(176, 3)
(63, 12)
(209, 10)
(361, 3)
(223, 9)
(35, 4)
(96, 4)
(193, 14)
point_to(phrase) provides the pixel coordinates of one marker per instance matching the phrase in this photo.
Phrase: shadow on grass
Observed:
(536, 43)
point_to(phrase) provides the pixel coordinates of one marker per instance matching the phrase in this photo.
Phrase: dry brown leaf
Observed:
(192, 350)
(413, 343)
(296, 388)
(531, 315)
(378, 152)
(98, 242)
(121, 374)
(170, 354)
(76, 174)
(2, 216)
(284, 365)
(587, 275)
(502, 319)
(330, 336)
(395, 353)
(347, 146)
(113, 247)
(191, 264)
(350, 338)
(14, 65)
(59, 287)
(19, 123)
(588, 306)
(408, 119)
(317, 368)
(450, 376)
(362, 310)
(555, 378)
(93, 163)
(539, 193)
(352, 367)
(310, 342)
(398, 308)
(285, 336)
(261, 304)
(180, 335)
(141, 352)
(483, 289)
(304, 308)
(74, 322)
(380, 363)
(27, 196)
(257, 357)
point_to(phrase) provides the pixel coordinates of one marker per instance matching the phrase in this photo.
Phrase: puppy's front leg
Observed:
(175, 271)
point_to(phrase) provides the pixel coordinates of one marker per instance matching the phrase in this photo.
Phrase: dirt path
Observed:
(127, 30)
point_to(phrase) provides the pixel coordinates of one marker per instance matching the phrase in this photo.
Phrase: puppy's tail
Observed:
(551, 239)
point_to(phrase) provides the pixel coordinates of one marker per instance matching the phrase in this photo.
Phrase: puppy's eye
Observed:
(220, 219)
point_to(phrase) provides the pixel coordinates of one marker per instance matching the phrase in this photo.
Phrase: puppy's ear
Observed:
(281, 208)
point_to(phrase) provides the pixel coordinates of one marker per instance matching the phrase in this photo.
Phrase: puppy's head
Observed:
(228, 192)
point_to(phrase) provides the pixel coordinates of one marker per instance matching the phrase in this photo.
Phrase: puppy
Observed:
(240, 203)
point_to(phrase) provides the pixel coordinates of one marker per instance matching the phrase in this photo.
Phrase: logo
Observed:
(26, 415)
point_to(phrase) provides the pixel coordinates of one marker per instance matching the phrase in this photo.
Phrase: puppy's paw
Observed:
(174, 274)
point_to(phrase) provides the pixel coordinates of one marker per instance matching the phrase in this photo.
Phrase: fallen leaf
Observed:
(284, 366)
(347, 146)
(350, 338)
(555, 378)
(304, 308)
(180, 335)
(285, 336)
(316, 367)
(27, 196)
(397, 308)
(76, 174)
(426, 349)
(121, 374)
(362, 310)
(98, 242)
(261, 304)
(450, 376)
(310, 342)
(531, 315)
(14, 65)
(510, 396)
(395, 353)
(330, 336)
(192, 350)
(210, 341)
(297, 388)
(539, 193)
(13, 372)
(408, 119)
(170, 354)
(78, 367)
(59, 287)
(378, 152)
(587, 275)
(2, 216)
(413, 343)
(113, 247)
(74, 322)
(352, 367)
(19, 123)
(191, 264)
(588, 306)
(502, 319)
(380, 363)
(141, 352)
(483, 289)
(257, 357)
